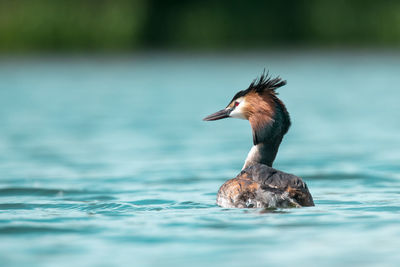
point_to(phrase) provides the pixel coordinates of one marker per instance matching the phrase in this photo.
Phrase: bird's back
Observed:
(261, 186)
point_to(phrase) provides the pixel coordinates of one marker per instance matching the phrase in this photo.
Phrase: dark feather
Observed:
(259, 85)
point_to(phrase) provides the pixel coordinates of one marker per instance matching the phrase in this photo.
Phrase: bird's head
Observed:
(259, 105)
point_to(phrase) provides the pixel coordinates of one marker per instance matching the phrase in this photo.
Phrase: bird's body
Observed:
(259, 185)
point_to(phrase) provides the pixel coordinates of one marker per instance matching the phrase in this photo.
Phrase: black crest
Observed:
(264, 82)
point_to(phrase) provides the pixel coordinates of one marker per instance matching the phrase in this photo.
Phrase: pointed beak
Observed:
(222, 114)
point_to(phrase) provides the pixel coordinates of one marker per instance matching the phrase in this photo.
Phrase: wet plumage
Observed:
(261, 186)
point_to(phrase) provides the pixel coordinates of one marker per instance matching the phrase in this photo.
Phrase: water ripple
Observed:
(11, 230)
(29, 191)
(144, 202)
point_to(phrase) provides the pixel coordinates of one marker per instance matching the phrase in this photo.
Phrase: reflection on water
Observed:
(105, 161)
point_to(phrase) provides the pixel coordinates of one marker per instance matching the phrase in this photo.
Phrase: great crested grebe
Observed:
(259, 185)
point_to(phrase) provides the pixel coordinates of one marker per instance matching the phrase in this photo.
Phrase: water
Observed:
(105, 161)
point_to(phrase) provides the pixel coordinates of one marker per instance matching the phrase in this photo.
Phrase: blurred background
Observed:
(105, 159)
(137, 25)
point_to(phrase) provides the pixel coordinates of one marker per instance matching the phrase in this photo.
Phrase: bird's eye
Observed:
(236, 104)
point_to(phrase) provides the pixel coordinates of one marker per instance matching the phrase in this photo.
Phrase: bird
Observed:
(259, 185)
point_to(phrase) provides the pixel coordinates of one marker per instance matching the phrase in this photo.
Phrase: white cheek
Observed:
(238, 113)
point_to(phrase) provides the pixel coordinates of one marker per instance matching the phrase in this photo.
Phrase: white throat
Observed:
(252, 157)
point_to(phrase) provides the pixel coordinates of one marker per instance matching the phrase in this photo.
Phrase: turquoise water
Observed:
(105, 161)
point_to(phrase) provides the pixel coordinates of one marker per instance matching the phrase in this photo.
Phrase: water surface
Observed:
(105, 161)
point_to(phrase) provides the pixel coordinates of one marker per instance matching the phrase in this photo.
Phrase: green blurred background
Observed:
(122, 25)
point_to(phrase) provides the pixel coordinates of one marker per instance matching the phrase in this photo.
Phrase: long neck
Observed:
(263, 153)
(267, 135)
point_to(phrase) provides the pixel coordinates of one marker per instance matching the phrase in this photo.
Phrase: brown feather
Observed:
(259, 109)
